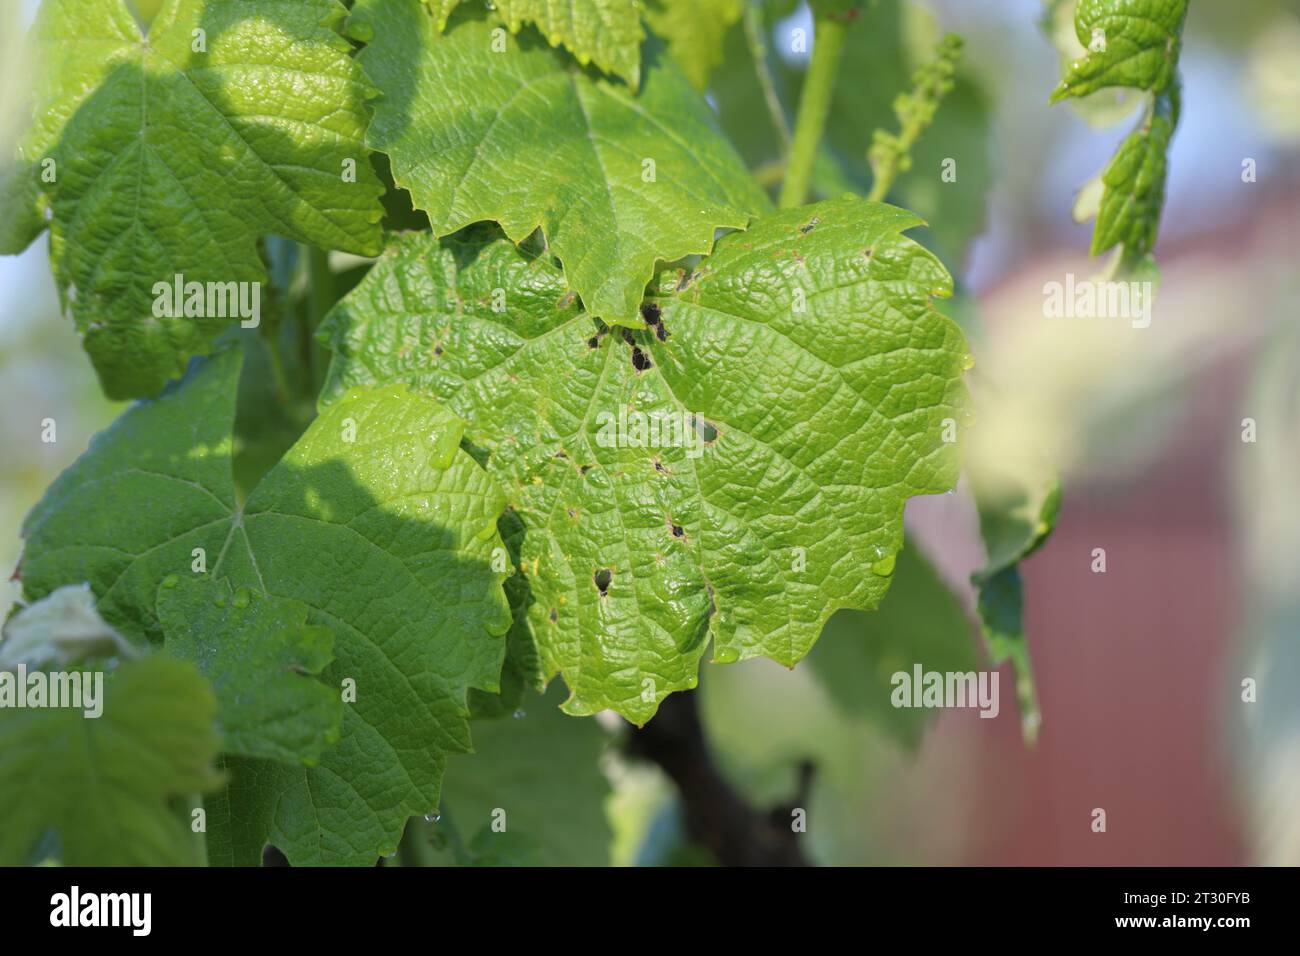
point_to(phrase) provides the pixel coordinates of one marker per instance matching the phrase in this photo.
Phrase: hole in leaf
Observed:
(640, 360)
(628, 337)
(603, 577)
(678, 532)
(707, 430)
(650, 311)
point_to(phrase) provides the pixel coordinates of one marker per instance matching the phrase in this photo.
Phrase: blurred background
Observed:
(1139, 669)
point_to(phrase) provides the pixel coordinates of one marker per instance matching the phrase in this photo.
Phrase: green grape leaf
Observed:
(374, 519)
(171, 154)
(1133, 43)
(607, 33)
(259, 652)
(920, 621)
(798, 382)
(615, 181)
(1133, 184)
(695, 31)
(114, 790)
(541, 771)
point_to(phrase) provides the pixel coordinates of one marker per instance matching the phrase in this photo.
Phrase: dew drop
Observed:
(242, 597)
(967, 362)
(170, 581)
(726, 655)
(884, 567)
(519, 715)
(433, 816)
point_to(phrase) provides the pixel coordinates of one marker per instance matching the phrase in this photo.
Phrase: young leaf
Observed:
(802, 382)
(695, 31)
(259, 653)
(1135, 44)
(374, 519)
(615, 181)
(103, 787)
(60, 628)
(172, 153)
(604, 32)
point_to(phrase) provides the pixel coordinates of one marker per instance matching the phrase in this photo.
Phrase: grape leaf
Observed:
(172, 153)
(542, 771)
(105, 787)
(259, 653)
(1131, 44)
(802, 381)
(695, 31)
(604, 32)
(374, 520)
(526, 140)
(1133, 183)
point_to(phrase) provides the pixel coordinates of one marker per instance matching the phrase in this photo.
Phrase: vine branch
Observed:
(717, 816)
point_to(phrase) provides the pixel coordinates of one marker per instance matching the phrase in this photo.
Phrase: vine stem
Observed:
(814, 106)
(758, 53)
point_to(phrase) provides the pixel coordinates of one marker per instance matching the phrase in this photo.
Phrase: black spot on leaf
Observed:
(808, 226)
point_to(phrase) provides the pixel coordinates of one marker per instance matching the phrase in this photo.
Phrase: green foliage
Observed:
(116, 789)
(524, 139)
(807, 354)
(536, 776)
(173, 154)
(604, 32)
(1133, 44)
(891, 153)
(695, 30)
(374, 520)
(594, 407)
(920, 621)
(259, 653)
